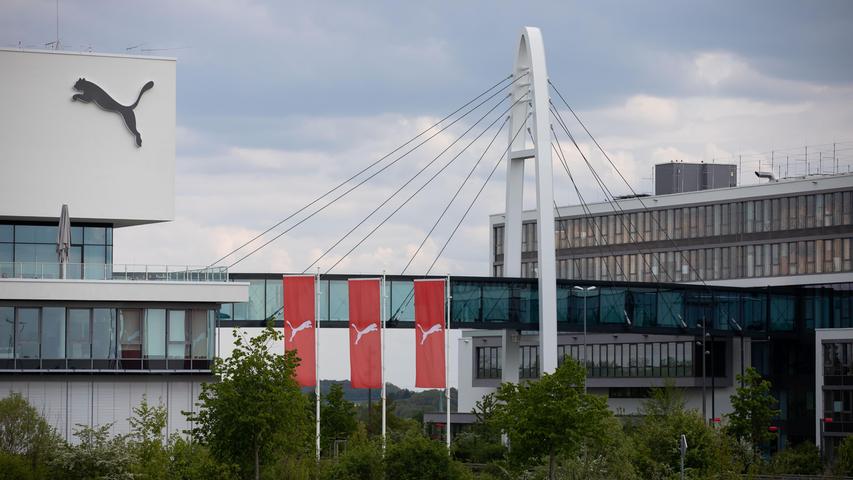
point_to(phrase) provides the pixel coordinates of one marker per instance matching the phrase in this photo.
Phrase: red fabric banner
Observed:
(429, 334)
(299, 326)
(365, 340)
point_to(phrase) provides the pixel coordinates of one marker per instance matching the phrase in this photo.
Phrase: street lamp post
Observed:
(586, 292)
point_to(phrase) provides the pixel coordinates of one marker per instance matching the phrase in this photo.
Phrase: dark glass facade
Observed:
(79, 337)
(28, 250)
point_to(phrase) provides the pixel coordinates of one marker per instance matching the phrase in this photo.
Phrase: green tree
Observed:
(338, 417)
(606, 456)
(147, 440)
(26, 439)
(549, 417)
(191, 461)
(664, 419)
(361, 460)
(256, 410)
(843, 461)
(753, 410)
(802, 459)
(416, 457)
(96, 455)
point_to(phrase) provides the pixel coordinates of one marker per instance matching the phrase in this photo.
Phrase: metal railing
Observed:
(111, 271)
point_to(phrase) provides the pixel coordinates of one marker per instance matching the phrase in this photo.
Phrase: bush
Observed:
(843, 464)
(362, 459)
(416, 457)
(803, 459)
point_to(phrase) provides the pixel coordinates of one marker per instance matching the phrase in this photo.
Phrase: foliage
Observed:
(802, 459)
(338, 418)
(753, 410)
(26, 440)
(605, 457)
(396, 427)
(549, 417)
(362, 459)
(474, 447)
(191, 461)
(843, 462)
(656, 436)
(146, 440)
(97, 455)
(256, 411)
(416, 457)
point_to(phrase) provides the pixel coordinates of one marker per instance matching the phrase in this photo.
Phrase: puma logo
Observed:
(360, 333)
(424, 334)
(93, 93)
(293, 331)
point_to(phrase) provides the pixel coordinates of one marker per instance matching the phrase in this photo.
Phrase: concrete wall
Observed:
(68, 400)
(55, 150)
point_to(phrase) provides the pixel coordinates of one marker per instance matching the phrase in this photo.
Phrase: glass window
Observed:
(53, 332)
(177, 334)
(94, 256)
(402, 301)
(200, 331)
(274, 299)
(6, 233)
(94, 236)
(7, 332)
(256, 300)
(79, 343)
(130, 333)
(27, 338)
(103, 333)
(489, 362)
(155, 333)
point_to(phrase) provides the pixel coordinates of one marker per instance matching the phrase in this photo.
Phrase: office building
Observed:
(680, 177)
(85, 340)
(758, 269)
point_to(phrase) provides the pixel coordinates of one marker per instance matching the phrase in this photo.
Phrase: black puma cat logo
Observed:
(94, 93)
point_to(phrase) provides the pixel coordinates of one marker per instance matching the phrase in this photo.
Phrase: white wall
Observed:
(68, 400)
(55, 151)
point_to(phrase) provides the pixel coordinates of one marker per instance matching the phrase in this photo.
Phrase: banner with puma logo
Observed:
(429, 333)
(365, 333)
(299, 325)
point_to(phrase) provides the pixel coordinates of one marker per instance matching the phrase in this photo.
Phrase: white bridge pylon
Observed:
(530, 61)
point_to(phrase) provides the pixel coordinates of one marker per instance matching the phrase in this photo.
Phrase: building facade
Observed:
(788, 239)
(83, 342)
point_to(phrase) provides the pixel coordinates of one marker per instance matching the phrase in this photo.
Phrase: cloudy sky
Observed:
(278, 101)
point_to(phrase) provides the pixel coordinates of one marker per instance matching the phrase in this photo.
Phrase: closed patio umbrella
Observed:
(63, 240)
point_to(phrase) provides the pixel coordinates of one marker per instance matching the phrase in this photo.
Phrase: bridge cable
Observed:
(699, 276)
(455, 195)
(365, 169)
(409, 298)
(438, 172)
(371, 176)
(611, 200)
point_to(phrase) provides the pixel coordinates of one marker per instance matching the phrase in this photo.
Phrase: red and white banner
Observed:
(429, 334)
(365, 333)
(300, 327)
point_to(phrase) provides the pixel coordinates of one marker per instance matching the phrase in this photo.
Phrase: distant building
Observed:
(679, 177)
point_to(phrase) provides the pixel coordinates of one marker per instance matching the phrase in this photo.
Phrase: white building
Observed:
(85, 348)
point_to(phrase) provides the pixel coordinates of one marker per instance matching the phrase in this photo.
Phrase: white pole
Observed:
(382, 360)
(447, 357)
(317, 357)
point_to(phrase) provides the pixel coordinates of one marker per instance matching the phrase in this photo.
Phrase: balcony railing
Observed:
(111, 271)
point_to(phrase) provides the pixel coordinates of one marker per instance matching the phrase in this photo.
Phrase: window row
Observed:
(766, 215)
(651, 359)
(105, 338)
(266, 300)
(719, 263)
(29, 251)
(47, 234)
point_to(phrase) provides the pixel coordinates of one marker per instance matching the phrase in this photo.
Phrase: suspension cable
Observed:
(456, 194)
(392, 152)
(371, 176)
(633, 192)
(446, 165)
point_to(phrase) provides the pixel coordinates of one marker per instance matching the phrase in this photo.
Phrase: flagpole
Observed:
(447, 357)
(317, 358)
(382, 359)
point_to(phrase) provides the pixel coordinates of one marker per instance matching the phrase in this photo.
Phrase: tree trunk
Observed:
(552, 466)
(257, 462)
